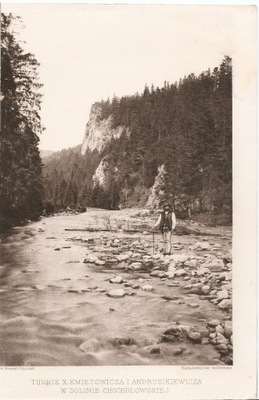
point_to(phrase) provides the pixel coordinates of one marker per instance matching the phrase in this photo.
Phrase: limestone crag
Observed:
(101, 174)
(99, 132)
(157, 191)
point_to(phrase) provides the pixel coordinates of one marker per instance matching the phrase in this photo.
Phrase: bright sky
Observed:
(90, 52)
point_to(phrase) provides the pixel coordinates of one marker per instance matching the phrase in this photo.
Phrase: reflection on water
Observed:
(54, 309)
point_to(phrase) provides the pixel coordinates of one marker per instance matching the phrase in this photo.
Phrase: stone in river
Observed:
(169, 298)
(136, 286)
(222, 348)
(147, 288)
(177, 351)
(228, 329)
(187, 287)
(116, 293)
(116, 279)
(169, 338)
(220, 329)
(171, 268)
(191, 263)
(99, 262)
(170, 275)
(222, 294)
(202, 271)
(193, 305)
(135, 266)
(194, 336)
(201, 246)
(225, 304)
(155, 350)
(180, 272)
(158, 273)
(90, 345)
(227, 276)
(122, 257)
(205, 289)
(221, 339)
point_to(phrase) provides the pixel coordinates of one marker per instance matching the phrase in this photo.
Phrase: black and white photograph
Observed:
(118, 199)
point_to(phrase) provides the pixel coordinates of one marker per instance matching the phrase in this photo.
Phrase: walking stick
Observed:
(153, 242)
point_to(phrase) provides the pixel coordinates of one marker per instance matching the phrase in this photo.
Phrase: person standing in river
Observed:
(166, 224)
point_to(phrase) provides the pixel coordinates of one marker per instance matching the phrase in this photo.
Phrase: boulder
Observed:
(201, 246)
(222, 294)
(222, 348)
(135, 266)
(221, 338)
(99, 262)
(175, 333)
(214, 322)
(170, 275)
(122, 257)
(169, 298)
(220, 329)
(193, 305)
(116, 279)
(225, 276)
(203, 271)
(179, 258)
(155, 350)
(228, 329)
(205, 289)
(116, 293)
(90, 345)
(194, 336)
(147, 288)
(225, 304)
(177, 351)
(171, 268)
(158, 273)
(180, 272)
(136, 286)
(191, 263)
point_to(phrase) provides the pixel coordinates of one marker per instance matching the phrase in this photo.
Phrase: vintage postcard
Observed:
(128, 201)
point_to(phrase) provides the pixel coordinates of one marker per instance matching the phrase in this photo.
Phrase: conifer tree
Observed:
(21, 185)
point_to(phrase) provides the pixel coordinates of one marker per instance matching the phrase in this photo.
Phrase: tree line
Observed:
(187, 126)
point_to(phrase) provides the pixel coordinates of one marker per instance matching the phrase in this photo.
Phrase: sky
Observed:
(91, 52)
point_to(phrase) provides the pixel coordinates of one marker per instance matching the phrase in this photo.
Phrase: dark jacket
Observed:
(166, 221)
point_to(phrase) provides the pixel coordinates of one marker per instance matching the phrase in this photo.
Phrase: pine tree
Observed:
(21, 185)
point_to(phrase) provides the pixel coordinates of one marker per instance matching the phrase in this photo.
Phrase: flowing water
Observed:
(54, 310)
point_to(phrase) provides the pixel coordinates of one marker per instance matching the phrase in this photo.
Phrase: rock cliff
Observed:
(102, 173)
(99, 132)
(157, 191)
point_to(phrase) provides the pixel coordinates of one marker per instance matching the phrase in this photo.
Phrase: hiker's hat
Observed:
(166, 205)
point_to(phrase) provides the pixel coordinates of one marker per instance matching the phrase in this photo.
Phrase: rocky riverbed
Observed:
(93, 289)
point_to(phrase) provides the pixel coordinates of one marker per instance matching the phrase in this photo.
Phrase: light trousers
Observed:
(166, 241)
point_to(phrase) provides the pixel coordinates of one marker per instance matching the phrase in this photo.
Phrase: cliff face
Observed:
(101, 174)
(157, 191)
(99, 132)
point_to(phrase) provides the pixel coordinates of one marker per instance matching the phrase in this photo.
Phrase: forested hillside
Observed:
(20, 168)
(185, 126)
